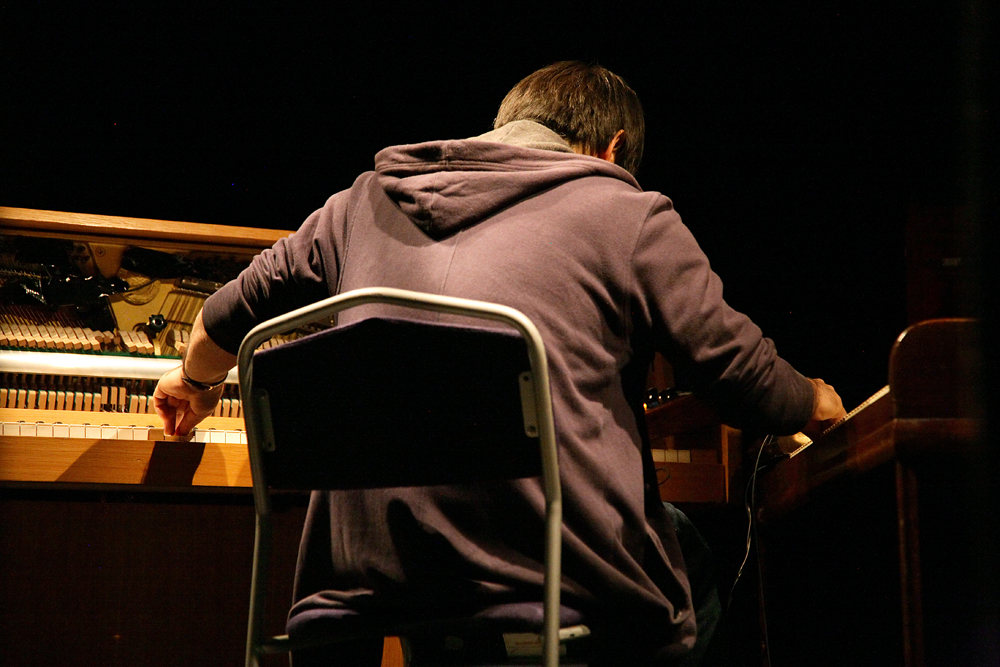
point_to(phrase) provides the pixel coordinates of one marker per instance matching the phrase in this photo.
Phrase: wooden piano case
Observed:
(121, 552)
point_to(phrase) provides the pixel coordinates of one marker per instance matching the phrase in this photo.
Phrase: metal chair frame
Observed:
(541, 427)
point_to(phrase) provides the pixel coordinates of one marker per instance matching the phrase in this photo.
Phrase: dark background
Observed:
(798, 142)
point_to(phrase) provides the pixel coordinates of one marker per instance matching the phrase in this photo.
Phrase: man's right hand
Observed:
(179, 406)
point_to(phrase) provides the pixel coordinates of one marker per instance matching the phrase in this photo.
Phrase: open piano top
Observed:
(95, 310)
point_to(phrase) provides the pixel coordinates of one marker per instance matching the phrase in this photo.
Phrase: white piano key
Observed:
(233, 437)
(45, 430)
(93, 432)
(60, 430)
(77, 431)
(11, 428)
(109, 432)
(29, 429)
(216, 437)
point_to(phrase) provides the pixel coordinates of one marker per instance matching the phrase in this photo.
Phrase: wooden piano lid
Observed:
(164, 232)
(934, 370)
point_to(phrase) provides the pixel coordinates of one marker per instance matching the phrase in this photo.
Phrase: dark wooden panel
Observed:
(126, 578)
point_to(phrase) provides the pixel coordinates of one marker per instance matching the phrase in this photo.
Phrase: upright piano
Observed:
(872, 540)
(119, 546)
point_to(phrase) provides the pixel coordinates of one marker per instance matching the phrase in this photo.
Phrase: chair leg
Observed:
(258, 588)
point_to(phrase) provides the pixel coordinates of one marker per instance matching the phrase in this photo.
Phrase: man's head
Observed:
(592, 108)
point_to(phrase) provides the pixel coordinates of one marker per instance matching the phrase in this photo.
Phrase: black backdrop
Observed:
(794, 140)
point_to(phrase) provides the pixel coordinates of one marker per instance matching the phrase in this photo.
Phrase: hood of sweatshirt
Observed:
(447, 186)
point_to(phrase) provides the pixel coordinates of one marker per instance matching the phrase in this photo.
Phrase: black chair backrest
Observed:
(386, 403)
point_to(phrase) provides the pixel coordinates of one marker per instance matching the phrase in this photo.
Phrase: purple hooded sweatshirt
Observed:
(609, 274)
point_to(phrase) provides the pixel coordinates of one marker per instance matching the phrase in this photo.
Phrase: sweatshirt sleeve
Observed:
(720, 351)
(298, 270)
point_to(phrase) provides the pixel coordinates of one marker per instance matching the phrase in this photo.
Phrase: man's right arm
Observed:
(186, 395)
(279, 279)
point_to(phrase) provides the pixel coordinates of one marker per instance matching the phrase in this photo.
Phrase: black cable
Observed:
(748, 497)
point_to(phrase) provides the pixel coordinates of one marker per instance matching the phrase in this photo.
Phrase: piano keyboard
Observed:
(112, 426)
(88, 418)
(119, 448)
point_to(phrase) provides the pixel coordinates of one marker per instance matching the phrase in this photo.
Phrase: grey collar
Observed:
(527, 134)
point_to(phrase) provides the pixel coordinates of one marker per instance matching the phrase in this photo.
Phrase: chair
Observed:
(459, 387)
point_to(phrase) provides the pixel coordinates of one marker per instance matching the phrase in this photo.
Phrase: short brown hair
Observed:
(585, 104)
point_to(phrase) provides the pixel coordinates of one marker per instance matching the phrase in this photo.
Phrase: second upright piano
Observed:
(872, 540)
